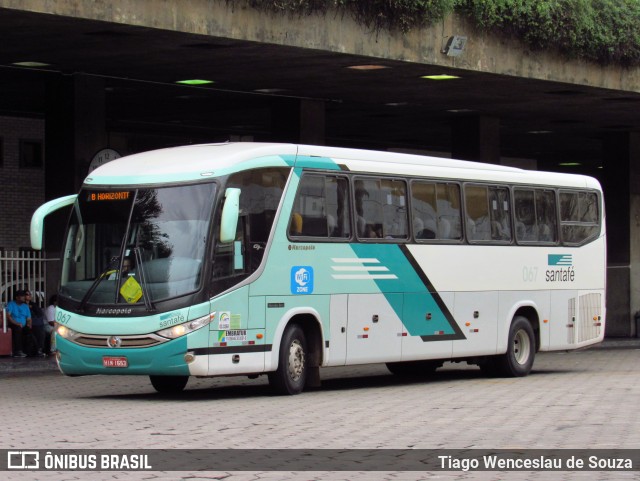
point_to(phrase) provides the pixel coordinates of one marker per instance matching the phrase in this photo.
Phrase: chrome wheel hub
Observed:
(296, 360)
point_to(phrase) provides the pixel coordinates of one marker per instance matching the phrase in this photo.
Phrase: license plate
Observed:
(115, 361)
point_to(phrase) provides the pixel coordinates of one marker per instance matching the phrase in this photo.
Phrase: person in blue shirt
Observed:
(19, 317)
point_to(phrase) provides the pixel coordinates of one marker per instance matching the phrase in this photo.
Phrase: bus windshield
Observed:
(136, 246)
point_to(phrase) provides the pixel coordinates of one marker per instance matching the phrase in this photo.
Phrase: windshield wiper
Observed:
(115, 261)
(143, 279)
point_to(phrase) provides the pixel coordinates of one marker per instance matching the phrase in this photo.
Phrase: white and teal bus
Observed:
(279, 259)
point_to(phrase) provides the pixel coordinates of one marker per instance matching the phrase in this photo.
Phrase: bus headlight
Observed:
(65, 332)
(187, 327)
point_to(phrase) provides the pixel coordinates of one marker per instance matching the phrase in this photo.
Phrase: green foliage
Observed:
(401, 14)
(605, 31)
(378, 14)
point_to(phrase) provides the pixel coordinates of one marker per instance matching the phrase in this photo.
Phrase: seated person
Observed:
(127, 265)
(370, 232)
(295, 228)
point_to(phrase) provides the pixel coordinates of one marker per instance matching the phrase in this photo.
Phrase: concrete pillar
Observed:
(312, 122)
(298, 121)
(476, 138)
(74, 131)
(621, 187)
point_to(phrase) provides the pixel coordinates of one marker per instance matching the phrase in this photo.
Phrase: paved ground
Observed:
(585, 399)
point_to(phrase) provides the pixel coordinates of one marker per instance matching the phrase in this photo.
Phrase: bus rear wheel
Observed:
(169, 384)
(291, 375)
(521, 350)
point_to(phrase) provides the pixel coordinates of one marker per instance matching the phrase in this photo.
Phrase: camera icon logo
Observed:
(23, 460)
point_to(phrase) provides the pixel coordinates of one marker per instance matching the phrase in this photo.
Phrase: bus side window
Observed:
(488, 213)
(364, 212)
(381, 206)
(579, 216)
(261, 191)
(338, 211)
(321, 208)
(436, 210)
(525, 212)
(546, 215)
(449, 224)
(476, 200)
(229, 258)
(500, 214)
(425, 215)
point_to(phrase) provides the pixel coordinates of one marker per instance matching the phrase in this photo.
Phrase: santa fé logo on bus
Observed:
(560, 268)
(302, 280)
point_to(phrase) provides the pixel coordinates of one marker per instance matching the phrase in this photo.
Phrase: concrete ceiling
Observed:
(385, 108)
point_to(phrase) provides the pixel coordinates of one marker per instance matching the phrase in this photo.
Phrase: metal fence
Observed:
(23, 270)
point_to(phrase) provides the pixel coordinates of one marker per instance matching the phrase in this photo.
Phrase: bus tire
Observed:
(489, 366)
(169, 384)
(291, 375)
(413, 368)
(521, 350)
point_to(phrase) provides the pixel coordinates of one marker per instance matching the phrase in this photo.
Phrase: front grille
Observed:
(145, 340)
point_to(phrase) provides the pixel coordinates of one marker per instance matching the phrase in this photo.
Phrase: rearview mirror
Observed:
(230, 214)
(37, 220)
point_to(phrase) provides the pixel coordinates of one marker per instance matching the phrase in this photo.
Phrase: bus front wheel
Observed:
(291, 374)
(521, 350)
(169, 384)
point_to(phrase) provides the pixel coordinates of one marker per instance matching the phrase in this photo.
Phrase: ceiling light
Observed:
(569, 164)
(194, 82)
(367, 67)
(31, 64)
(440, 77)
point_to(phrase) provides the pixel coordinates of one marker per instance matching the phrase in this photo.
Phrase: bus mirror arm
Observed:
(230, 214)
(37, 219)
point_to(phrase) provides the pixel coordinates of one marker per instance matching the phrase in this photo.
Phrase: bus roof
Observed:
(198, 162)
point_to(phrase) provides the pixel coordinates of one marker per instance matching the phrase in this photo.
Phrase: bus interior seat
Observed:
(361, 225)
(480, 228)
(526, 233)
(498, 232)
(332, 225)
(314, 226)
(418, 225)
(545, 233)
(425, 229)
(444, 229)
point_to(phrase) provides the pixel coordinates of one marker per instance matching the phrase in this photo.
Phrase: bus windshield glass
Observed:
(136, 246)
